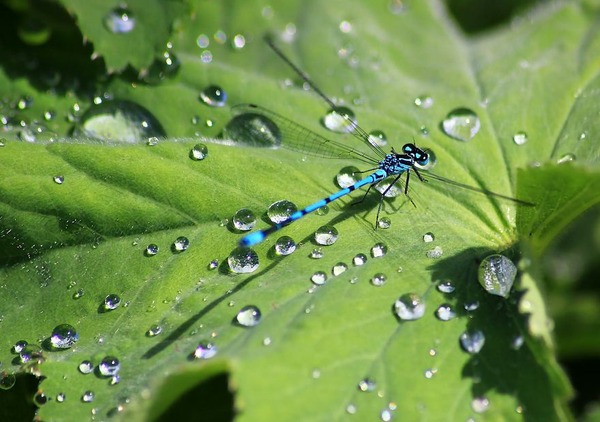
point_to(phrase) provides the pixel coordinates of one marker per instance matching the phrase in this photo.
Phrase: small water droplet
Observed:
(19, 346)
(280, 211)
(461, 124)
(243, 260)
(152, 141)
(520, 138)
(378, 279)
(111, 302)
(316, 374)
(154, 331)
(40, 398)
(387, 189)
(61, 397)
(181, 244)
(31, 353)
(377, 137)
(202, 41)
(340, 120)
(316, 253)
(86, 367)
(471, 306)
(583, 136)
(205, 351)
(445, 312)
(409, 306)
(480, 404)
(244, 220)
(367, 385)
(326, 235)
(472, 342)
(58, 179)
(345, 27)
(339, 268)
(435, 253)
(378, 250)
(347, 176)
(497, 275)
(7, 381)
(517, 342)
(267, 341)
(115, 379)
(88, 397)
(319, 278)
(351, 409)
(285, 245)
(213, 96)
(324, 210)
(446, 286)
(239, 41)
(429, 373)
(206, 57)
(213, 264)
(249, 316)
(151, 250)
(109, 366)
(428, 237)
(64, 336)
(254, 130)
(120, 20)
(359, 259)
(424, 101)
(384, 223)
(199, 152)
(566, 158)
(385, 415)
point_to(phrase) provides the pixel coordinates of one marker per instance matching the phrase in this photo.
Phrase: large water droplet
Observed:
(214, 96)
(326, 235)
(64, 336)
(119, 20)
(497, 274)
(109, 366)
(520, 138)
(409, 306)
(205, 351)
(445, 312)
(340, 120)
(243, 260)
(472, 342)
(111, 302)
(244, 219)
(347, 176)
(461, 124)
(254, 130)
(199, 152)
(248, 316)
(119, 121)
(280, 211)
(285, 245)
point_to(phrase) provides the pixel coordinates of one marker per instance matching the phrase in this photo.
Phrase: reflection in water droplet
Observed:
(435, 253)
(213, 264)
(359, 259)
(109, 366)
(428, 237)
(119, 20)
(340, 120)
(319, 278)
(520, 138)
(480, 404)
(347, 176)
(244, 219)
(409, 306)
(472, 342)
(326, 235)
(111, 302)
(154, 331)
(243, 260)
(61, 397)
(378, 250)
(58, 180)
(378, 279)
(445, 312)
(280, 211)
(199, 152)
(181, 244)
(64, 336)
(285, 245)
(19, 346)
(497, 274)
(424, 101)
(377, 137)
(254, 130)
(205, 351)
(151, 250)
(339, 268)
(86, 367)
(567, 158)
(461, 124)
(446, 286)
(249, 316)
(213, 96)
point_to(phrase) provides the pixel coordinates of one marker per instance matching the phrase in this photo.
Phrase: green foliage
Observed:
(305, 359)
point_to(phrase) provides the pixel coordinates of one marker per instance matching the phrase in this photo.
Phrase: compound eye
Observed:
(408, 148)
(422, 158)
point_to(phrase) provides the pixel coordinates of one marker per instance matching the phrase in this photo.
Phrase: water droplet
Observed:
(347, 176)
(316, 253)
(115, 379)
(378, 279)
(86, 367)
(26, 135)
(120, 20)
(424, 101)
(239, 41)
(244, 219)
(377, 137)
(445, 312)
(254, 130)
(58, 179)
(64, 336)
(339, 268)
(385, 415)
(213, 264)
(151, 250)
(248, 316)
(199, 152)
(435, 253)
(319, 278)
(19, 346)
(429, 373)
(351, 409)
(461, 124)
(154, 331)
(78, 294)
(111, 302)
(166, 65)
(566, 158)
(181, 244)
(472, 342)
(267, 341)
(367, 385)
(243, 260)
(340, 120)
(61, 397)
(446, 286)
(109, 366)
(280, 211)
(345, 27)
(326, 235)
(497, 274)
(359, 259)
(7, 381)
(324, 210)
(40, 398)
(387, 189)
(480, 404)
(31, 353)
(205, 351)
(428, 237)
(88, 397)
(409, 306)
(520, 138)
(152, 142)
(471, 306)
(517, 342)
(378, 250)
(213, 96)
(206, 56)
(384, 223)
(285, 245)
(119, 121)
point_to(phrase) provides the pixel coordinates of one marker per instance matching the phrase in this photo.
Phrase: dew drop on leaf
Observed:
(461, 124)
(378, 279)
(86, 367)
(340, 120)
(424, 101)
(472, 341)
(520, 138)
(378, 250)
(213, 96)
(377, 137)
(58, 180)
(64, 336)
(205, 351)
(181, 244)
(319, 278)
(109, 366)
(285, 245)
(480, 404)
(253, 129)
(198, 152)
(244, 220)
(497, 275)
(7, 381)
(359, 259)
(248, 316)
(151, 250)
(347, 176)
(120, 20)
(445, 312)
(243, 260)
(111, 302)
(409, 307)
(88, 397)
(280, 211)
(316, 253)
(339, 268)
(326, 235)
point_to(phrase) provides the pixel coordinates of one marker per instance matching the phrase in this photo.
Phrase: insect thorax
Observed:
(395, 163)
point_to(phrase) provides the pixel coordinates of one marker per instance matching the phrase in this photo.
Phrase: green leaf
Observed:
(312, 348)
